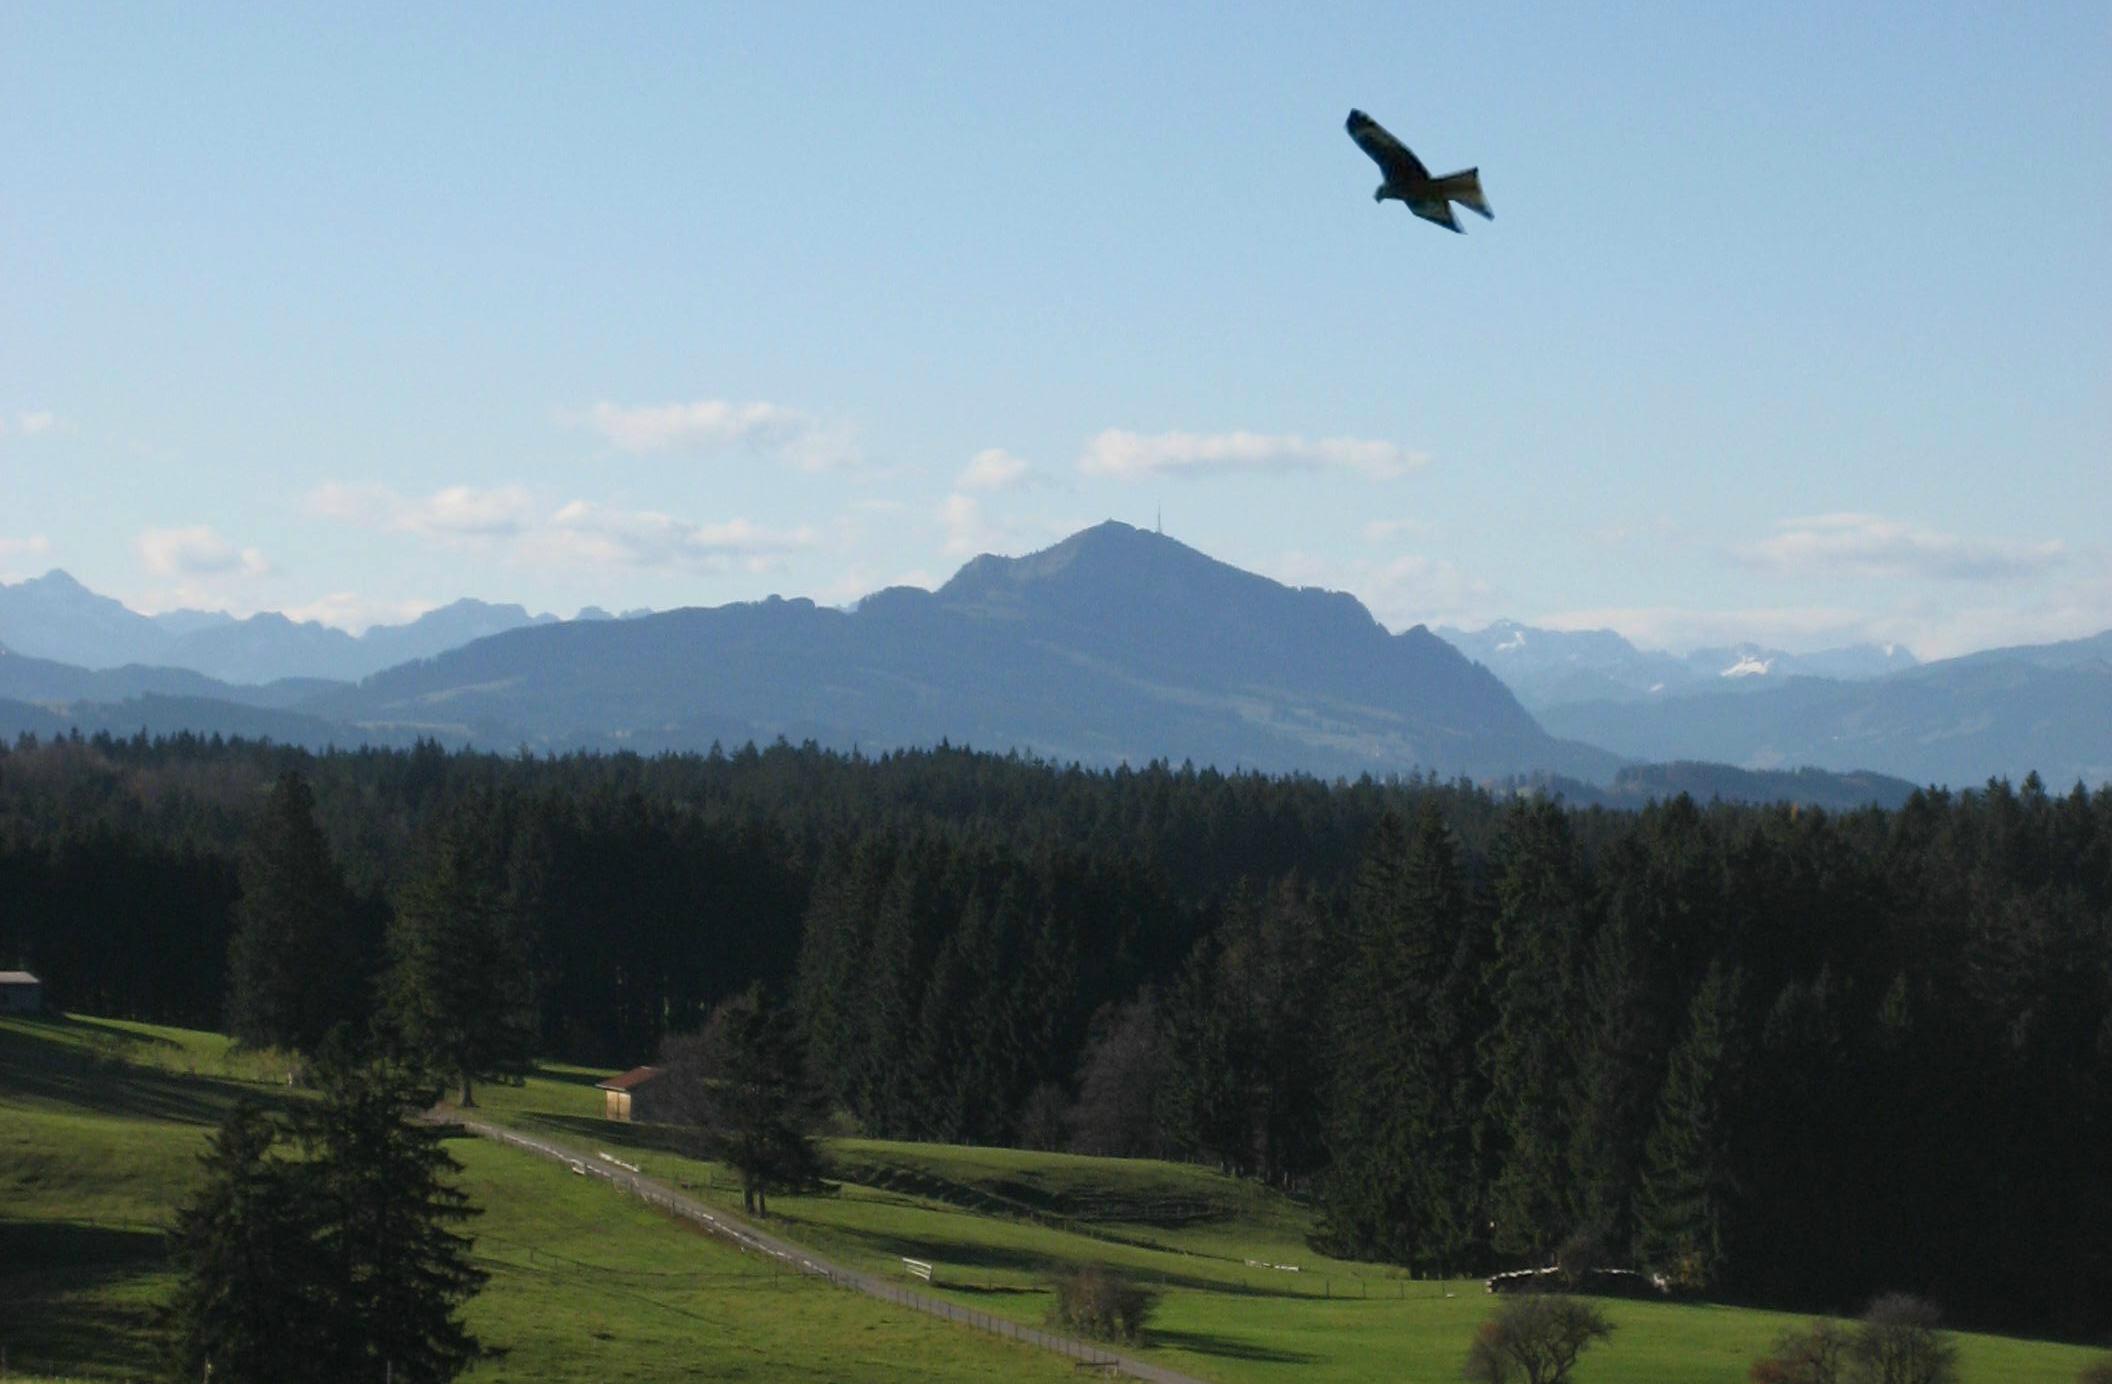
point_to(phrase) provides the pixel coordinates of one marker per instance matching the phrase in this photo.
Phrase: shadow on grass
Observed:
(92, 1083)
(1227, 1349)
(104, 1031)
(563, 1078)
(67, 1295)
(957, 1254)
(653, 1138)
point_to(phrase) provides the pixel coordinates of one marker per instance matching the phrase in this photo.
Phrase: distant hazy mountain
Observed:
(158, 715)
(1998, 713)
(1638, 784)
(1549, 668)
(268, 646)
(55, 617)
(51, 683)
(1113, 645)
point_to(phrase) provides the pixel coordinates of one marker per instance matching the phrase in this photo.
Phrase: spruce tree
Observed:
(1402, 1184)
(294, 969)
(460, 992)
(338, 1264)
(1529, 1054)
(1684, 1206)
(252, 1286)
(398, 1272)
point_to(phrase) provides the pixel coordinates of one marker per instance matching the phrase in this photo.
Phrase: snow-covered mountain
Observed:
(1548, 668)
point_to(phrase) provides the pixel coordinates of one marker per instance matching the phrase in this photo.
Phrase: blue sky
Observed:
(1791, 324)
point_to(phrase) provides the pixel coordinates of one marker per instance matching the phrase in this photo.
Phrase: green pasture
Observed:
(100, 1125)
(998, 1223)
(100, 1128)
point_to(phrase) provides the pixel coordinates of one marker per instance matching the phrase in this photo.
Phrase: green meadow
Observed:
(101, 1122)
(998, 1223)
(100, 1128)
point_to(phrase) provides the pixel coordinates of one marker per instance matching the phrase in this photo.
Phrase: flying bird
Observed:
(1408, 181)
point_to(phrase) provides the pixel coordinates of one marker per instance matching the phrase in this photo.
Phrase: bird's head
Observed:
(1378, 194)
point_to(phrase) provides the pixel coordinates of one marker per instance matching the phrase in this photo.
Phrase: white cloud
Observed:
(34, 546)
(1383, 530)
(1408, 590)
(196, 551)
(1128, 455)
(455, 512)
(1679, 628)
(507, 519)
(600, 535)
(1658, 531)
(1871, 545)
(355, 614)
(30, 422)
(717, 424)
(967, 533)
(994, 468)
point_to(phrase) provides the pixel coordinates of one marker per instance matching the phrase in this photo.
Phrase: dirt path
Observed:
(1088, 1355)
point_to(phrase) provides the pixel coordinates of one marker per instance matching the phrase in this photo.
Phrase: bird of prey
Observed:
(1408, 181)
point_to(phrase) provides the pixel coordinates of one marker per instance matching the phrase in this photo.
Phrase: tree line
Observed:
(1780, 1056)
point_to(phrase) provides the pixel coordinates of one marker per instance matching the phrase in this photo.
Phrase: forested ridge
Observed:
(1781, 1056)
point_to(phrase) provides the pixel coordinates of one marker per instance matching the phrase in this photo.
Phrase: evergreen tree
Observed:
(1401, 1186)
(741, 1087)
(1684, 1206)
(398, 1274)
(1529, 1053)
(460, 995)
(295, 970)
(251, 1282)
(335, 1265)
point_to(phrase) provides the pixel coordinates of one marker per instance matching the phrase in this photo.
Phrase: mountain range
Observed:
(57, 618)
(1549, 668)
(1115, 645)
(1999, 713)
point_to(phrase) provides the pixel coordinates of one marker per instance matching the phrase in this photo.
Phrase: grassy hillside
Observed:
(100, 1127)
(998, 1222)
(100, 1124)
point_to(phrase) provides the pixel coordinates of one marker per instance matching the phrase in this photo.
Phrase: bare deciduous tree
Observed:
(1816, 1355)
(1900, 1343)
(1534, 1339)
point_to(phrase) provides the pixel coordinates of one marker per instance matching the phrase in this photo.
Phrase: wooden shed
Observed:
(21, 993)
(630, 1096)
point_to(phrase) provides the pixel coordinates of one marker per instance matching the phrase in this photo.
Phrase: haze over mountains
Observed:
(55, 617)
(1114, 645)
(1547, 667)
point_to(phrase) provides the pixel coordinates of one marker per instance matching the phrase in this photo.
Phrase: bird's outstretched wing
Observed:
(1390, 154)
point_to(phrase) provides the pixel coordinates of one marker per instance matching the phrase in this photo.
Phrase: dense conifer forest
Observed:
(1779, 1056)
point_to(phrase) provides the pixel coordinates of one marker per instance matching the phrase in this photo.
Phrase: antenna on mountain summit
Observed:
(1158, 521)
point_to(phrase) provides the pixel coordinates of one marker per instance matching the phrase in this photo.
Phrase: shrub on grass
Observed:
(1816, 1355)
(1899, 1343)
(1534, 1339)
(1102, 1304)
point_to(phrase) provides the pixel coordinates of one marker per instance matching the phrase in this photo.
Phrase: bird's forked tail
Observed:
(1465, 189)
